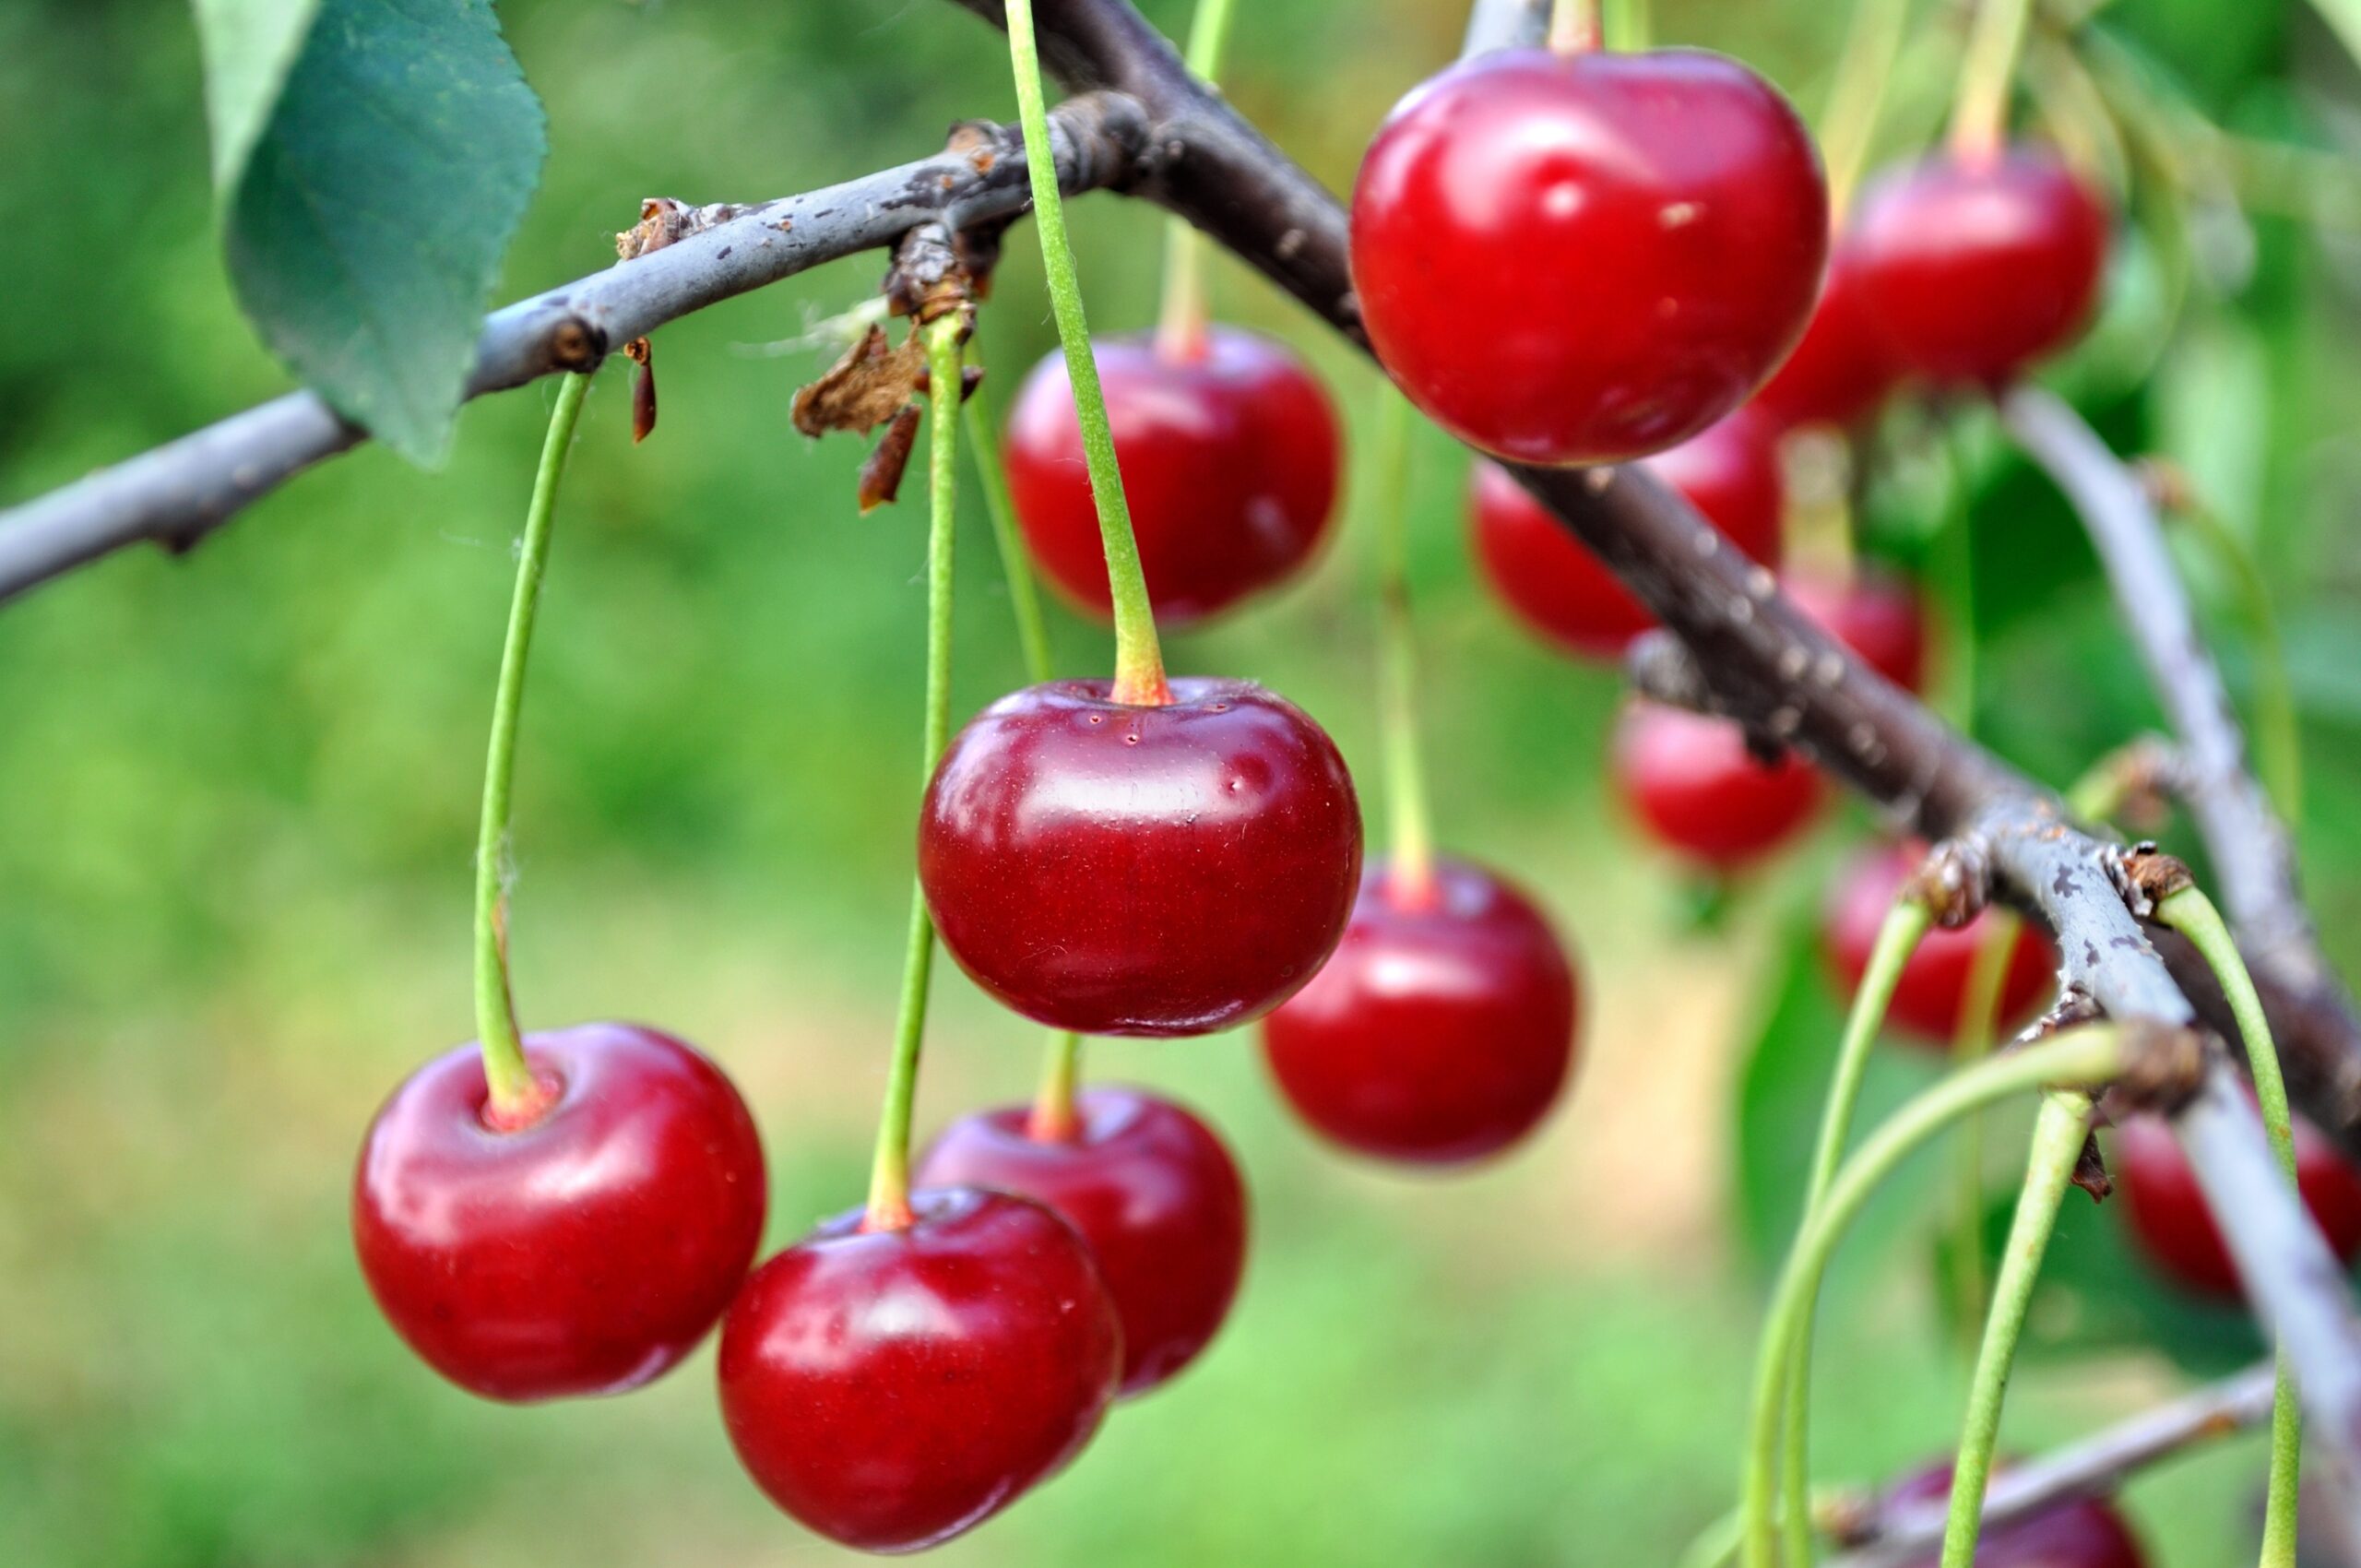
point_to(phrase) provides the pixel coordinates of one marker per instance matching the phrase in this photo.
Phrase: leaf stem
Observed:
(1180, 326)
(1410, 876)
(1855, 97)
(889, 1174)
(514, 1098)
(1139, 661)
(2058, 1133)
(2083, 1057)
(1980, 114)
(2191, 913)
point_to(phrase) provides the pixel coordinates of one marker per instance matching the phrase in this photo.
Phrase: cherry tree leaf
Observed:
(366, 213)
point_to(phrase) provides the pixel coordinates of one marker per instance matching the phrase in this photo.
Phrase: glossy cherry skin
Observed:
(1568, 595)
(1933, 987)
(1149, 1186)
(1229, 463)
(1693, 784)
(1443, 1030)
(1843, 368)
(1119, 869)
(584, 1253)
(2084, 1533)
(1877, 616)
(2176, 1231)
(1588, 258)
(891, 1389)
(1974, 271)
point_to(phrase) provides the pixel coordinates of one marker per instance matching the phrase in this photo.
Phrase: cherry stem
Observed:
(1574, 27)
(1980, 114)
(1979, 1013)
(1181, 327)
(1053, 1118)
(1139, 661)
(2085, 1056)
(1410, 874)
(1857, 97)
(2193, 914)
(1627, 25)
(1905, 925)
(2058, 1134)
(889, 1174)
(514, 1095)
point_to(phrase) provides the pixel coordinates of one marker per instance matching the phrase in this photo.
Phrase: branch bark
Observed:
(181, 491)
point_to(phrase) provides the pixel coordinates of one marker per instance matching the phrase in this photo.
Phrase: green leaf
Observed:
(248, 46)
(365, 229)
(2344, 18)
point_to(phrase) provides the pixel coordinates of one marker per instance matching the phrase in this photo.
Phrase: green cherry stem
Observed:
(1980, 114)
(1180, 326)
(1979, 1013)
(1872, 44)
(2058, 1133)
(514, 1098)
(2191, 913)
(2085, 1056)
(1576, 28)
(1139, 661)
(1409, 822)
(889, 1173)
(1906, 924)
(1626, 25)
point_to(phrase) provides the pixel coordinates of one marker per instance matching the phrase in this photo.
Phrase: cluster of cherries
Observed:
(1188, 858)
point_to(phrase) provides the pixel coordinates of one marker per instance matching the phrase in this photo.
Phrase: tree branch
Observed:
(181, 491)
(2252, 856)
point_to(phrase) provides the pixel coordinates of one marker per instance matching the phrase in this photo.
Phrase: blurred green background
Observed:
(237, 800)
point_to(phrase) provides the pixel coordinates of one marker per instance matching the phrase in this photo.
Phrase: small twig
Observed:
(1505, 24)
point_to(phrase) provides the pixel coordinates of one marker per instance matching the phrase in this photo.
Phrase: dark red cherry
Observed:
(1150, 1188)
(1692, 780)
(2084, 1533)
(1119, 870)
(1843, 368)
(1974, 271)
(1565, 593)
(1933, 987)
(584, 1253)
(1229, 464)
(2175, 1229)
(1585, 259)
(1444, 1029)
(1877, 616)
(892, 1388)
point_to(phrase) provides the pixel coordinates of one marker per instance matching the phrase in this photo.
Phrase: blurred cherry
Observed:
(1878, 616)
(2175, 1229)
(1693, 783)
(1843, 368)
(1933, 987)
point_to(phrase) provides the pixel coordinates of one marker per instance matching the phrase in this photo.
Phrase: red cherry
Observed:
(1694, 784)
(1974, 271)
(1875, 615)
(1117, 870)
(584, 1253)
(1844, 368)
(1568, 595)
(2175, 1229)
(1586, 258)
(2084, 1533)
(1229, 460)
(892, 1388)
(1934, 981)
(1150, 1188)
(1441, 1032)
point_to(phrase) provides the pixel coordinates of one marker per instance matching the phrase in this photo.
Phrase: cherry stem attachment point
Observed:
(514, 1095)
(2193, 914)
(1980, 114)
(1139, 661)
(1576, 28)
(1180, 326)
(1410, 873)
(889, 1175)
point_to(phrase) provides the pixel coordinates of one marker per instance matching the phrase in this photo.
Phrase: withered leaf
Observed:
(881, 472)
(871, 384)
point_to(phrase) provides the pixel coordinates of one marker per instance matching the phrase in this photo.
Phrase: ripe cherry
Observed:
(583, 1253)
(892, 1388)
(1150, 1188)
(1843, 368)
(1123, 870)
(2082, 1533)
(1585, 259)
(1692, 781)
(1229, 458)
(1975, 271)
(1444, 1029)
(2175, 1229)
(1568, 595)
(1877, 616)
(1933, 987)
